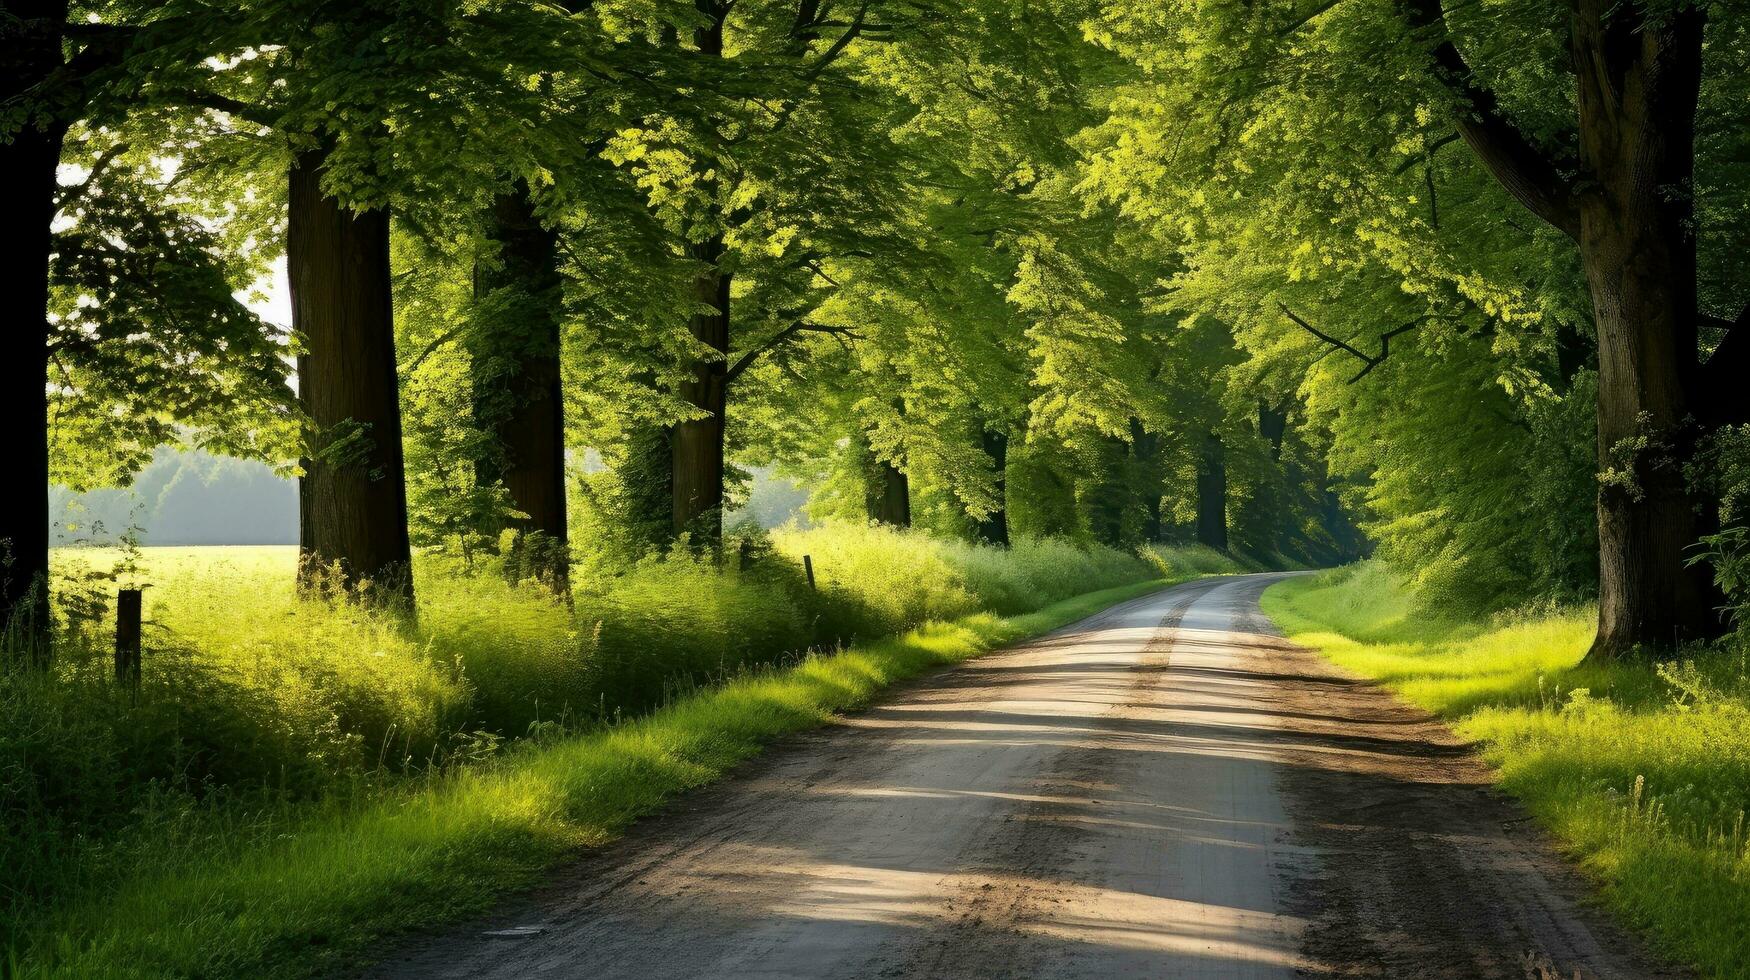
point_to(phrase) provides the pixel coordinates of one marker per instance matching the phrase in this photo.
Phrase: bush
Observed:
(248, 696)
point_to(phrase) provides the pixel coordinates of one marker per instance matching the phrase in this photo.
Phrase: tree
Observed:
(993, 527)
(1212, 493)
(129, 303)
(365, 99)
(1338, 116)
(28, 163)
(352, 497)
(1638, 74)
(515, 376)
(743, 176)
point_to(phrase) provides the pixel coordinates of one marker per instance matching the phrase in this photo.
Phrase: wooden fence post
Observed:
(808, 569)
(127, 637)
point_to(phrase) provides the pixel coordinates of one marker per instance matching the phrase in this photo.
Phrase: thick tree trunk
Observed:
(888, 494)
(1212, 493)
(698, 443)
(1638, 86)
(516, 376)
(994, 526)
(352, 499)
(27, 168)
(27, 165)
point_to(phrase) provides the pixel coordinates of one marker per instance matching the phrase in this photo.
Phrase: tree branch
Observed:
(438, 341)
(221, 103)
(1527, 174)
(814, 267)
(1368, 361)
(831, 54)
(1306, 18)
(1721, 323)
(72, 192)
(1723, 373)
(1427, 155)
(747, 359)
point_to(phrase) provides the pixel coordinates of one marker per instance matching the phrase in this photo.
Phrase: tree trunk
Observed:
(1212, 494)
(888, 495)
(1347, 541)
(1109, 496)
(518, 400)
(698, 443)
(27, 165)
(1263, 515)
(352, 498)
(1273, 426)
(1639, 80)
(994, 526)
(1146, 446)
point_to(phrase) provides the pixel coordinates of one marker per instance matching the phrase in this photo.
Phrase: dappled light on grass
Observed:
(1642, 771)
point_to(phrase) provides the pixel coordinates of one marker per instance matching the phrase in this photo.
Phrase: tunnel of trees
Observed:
(1462, 285)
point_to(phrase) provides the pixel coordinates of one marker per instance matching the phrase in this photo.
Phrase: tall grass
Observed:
(259, 709)
(869, 587)
(1642, 770)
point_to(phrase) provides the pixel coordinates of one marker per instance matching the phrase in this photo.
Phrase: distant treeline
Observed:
(188, 497)
(182, 497)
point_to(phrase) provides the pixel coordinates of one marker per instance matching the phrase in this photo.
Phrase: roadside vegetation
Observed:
(296, 772)
(1640, 769)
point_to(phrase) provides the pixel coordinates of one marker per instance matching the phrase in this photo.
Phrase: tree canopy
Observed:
(1257, 274)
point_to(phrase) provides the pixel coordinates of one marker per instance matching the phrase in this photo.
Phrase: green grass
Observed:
(300, 898)
(1641, 771)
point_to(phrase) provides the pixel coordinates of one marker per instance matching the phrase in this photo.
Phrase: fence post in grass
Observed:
(127, 637)
(808, 569)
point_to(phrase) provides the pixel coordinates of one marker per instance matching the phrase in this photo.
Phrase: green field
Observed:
(1641, 771)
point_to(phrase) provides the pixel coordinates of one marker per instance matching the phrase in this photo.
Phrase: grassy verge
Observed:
(1641, 771)
(310, 898)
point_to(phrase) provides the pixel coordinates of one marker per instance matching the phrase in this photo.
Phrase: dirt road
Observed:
(1166, 790)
